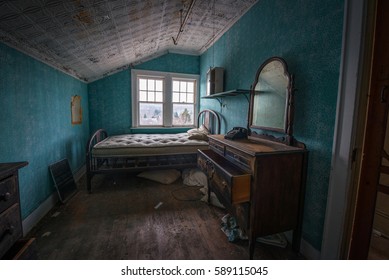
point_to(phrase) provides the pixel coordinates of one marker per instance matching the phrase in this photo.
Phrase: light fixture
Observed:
(183, 21)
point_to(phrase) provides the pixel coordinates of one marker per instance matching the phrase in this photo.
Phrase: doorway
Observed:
(370, 225)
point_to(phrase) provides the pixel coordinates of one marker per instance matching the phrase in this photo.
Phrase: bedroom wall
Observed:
(110, 97)
(308, 35)
(35, 122)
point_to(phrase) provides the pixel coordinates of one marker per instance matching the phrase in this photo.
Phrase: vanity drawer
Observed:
(226, 179)
(242, 160)
(216, 146)
(10, 228)
(8, 192)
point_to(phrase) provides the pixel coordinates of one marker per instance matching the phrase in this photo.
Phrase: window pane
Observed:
(142, 84)
(183, 114)
(191, 87)
(183, 86)
(150, 96)
(159, 85)
(158, 97)
(176, 97)
(190, 98)
(182, 97)
(142, 96)
(150, 114)
(151, 84)
(176, 86)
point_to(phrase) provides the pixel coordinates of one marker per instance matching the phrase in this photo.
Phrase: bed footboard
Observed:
(93, 163)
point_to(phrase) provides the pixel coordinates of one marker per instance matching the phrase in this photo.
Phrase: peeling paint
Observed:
(84, 17)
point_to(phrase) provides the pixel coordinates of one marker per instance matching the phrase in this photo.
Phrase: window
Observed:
(150, 96)
(161, 99)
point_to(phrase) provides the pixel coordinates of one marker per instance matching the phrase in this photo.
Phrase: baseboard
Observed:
(79, 173)
(33, 219)
(308, 251)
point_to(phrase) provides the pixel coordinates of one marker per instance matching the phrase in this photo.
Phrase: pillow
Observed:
(198, 136)
(202, 129)
(161, 176)
(200, 133)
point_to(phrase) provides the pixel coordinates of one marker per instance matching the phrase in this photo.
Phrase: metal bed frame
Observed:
(112, 165)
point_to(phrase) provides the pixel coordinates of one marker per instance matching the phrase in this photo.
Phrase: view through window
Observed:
(164, 99)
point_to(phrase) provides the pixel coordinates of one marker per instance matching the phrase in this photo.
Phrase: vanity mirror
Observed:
(271, 104)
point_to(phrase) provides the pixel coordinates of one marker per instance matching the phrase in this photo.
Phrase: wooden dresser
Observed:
(10, 216)
(260, 182)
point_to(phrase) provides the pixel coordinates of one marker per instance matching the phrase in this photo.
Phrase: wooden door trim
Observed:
(372, 148)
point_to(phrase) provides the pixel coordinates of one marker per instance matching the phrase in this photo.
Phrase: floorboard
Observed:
(119, 220)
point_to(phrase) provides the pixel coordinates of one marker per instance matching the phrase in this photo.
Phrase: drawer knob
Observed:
(6, 196)
(10, 230)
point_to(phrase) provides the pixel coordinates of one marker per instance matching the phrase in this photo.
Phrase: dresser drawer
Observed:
(236, 157)
(226, 179)
(216, 146)
(10, 228)
(8, 192)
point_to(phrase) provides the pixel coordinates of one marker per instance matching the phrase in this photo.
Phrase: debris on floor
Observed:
(158, 205)
(213, 200)
(46, 234)
(231, 229)
(56, 214)
(194, 177)
(277, 239)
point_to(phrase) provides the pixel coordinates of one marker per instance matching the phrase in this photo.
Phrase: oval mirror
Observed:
(271, 95)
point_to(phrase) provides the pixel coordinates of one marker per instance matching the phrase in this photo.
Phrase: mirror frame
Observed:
(287, 132)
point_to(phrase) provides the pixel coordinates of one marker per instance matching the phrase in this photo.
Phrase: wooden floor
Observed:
(119, 221)
(379, 248)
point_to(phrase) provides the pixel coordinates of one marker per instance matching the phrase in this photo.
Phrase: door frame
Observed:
(354, 79)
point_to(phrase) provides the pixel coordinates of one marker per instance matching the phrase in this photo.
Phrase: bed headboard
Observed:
(210, 119)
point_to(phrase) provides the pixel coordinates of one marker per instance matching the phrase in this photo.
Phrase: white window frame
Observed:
(168, 95)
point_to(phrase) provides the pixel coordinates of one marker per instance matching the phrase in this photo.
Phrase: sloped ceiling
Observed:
(90, 39)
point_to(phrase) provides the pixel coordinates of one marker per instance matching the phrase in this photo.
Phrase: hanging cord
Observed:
(183, 22)
(213, 33)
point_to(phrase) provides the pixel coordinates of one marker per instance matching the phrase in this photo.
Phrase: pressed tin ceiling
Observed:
(90, 39)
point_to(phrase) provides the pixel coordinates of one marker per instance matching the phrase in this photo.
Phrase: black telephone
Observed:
(236, 133)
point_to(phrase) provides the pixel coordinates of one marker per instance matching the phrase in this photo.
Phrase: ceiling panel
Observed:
(90, 39)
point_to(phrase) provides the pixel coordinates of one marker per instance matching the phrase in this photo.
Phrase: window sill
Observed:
(162, 130)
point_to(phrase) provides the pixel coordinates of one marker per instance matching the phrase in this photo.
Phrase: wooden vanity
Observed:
(260, 178)
(261, 183)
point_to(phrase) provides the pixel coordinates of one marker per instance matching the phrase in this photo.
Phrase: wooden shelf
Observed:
(233, 92)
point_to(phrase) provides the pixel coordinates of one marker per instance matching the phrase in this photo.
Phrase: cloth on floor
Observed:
(277, 239)
(213, 200)
(231, 229)
(194, 177)
(161, 176)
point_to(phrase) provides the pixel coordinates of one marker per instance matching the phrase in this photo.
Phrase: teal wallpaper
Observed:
(35, 98)
(110, 97)
(308, 35)
(110, 103)
(35, 122)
